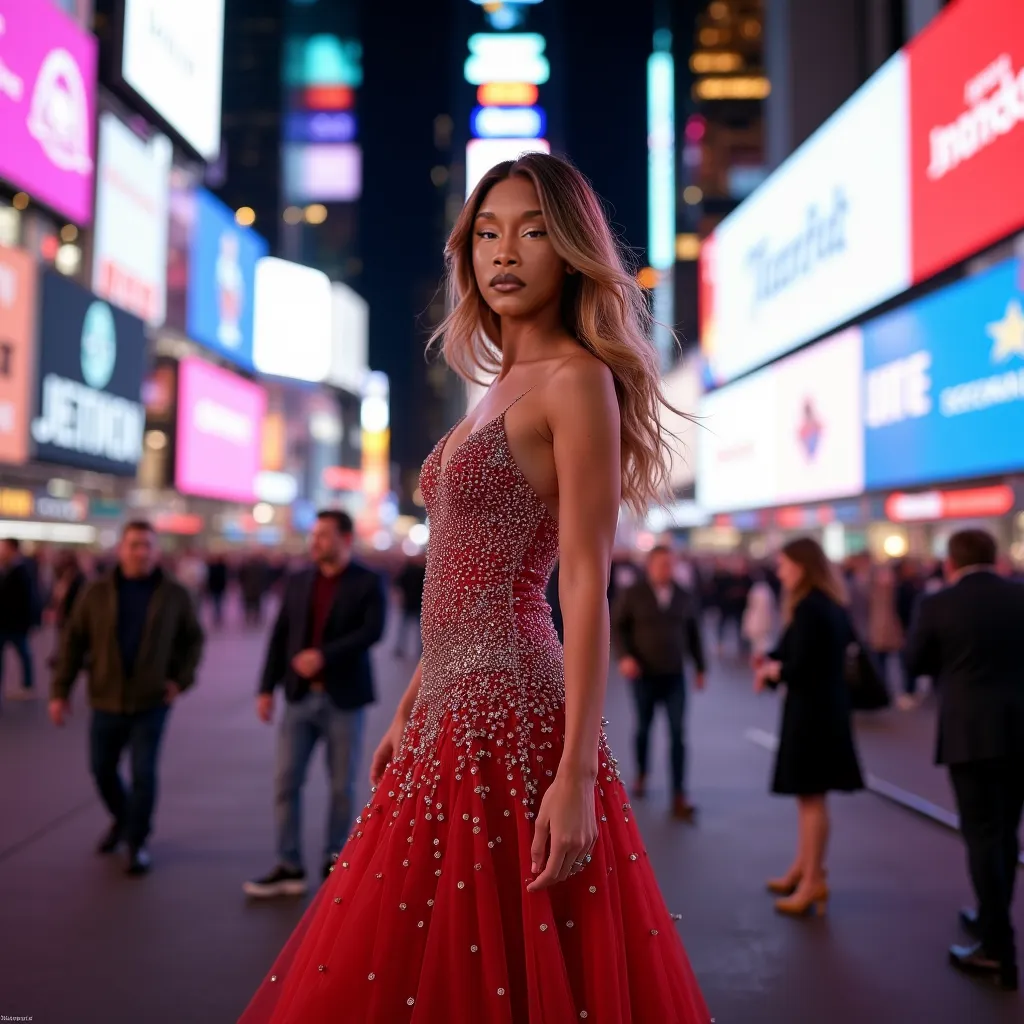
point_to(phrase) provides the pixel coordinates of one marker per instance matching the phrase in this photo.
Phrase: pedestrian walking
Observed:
(816, 753)
(967, 639)
(655, 632)
(217, 586)
(331, 614)
(885, 636)
(760, 617)
(17, 614)
(254, 580)
(136, 630)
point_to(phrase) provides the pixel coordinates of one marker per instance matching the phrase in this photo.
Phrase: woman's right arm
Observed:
(405, 705)
(392, 739)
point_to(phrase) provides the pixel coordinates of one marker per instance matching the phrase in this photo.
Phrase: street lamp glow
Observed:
(245, 216)
(263, 513)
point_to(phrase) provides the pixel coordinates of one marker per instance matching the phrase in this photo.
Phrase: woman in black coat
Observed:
(816, 752)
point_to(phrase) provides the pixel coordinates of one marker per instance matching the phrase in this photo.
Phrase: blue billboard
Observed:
(221, 280)
(944, 383)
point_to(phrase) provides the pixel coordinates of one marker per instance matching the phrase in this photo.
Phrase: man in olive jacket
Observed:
(138, 632)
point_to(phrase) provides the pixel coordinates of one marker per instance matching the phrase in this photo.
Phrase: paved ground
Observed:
(83, 944)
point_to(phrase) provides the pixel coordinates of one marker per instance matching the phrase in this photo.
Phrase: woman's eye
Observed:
(486, 234)
(535, 233)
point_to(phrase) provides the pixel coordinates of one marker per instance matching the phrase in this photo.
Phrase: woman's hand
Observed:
(767, 672)
(387, 748)
(568, 820)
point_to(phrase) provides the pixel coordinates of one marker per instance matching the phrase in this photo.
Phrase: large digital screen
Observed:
(89, 387)
(173, 54)
(322, 172)
(826, 238)
(130, 239)
(47, 106)
(292, 330)
(483, 154)
(222, 280)
(507, 57)
(17, 351)
(681, 388)
(966, 131)
(944, 383)
(350, 338)
(790, 433)
(220, 416)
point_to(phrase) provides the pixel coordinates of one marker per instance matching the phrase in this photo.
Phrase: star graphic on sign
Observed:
(1008, 333)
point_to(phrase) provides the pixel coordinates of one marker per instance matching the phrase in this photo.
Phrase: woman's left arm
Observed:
(584, 424)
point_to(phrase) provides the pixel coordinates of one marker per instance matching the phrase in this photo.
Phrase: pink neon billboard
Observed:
(220, 419)
(47, 106)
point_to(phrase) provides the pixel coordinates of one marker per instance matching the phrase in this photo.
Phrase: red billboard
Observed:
(966, 131)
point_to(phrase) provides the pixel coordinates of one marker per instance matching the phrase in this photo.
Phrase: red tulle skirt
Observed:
(426, 918)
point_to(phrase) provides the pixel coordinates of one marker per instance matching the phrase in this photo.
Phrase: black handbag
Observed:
(868, 689)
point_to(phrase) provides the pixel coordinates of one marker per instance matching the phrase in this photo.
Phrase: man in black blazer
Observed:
(967, 638)
(655, 630)
(331, 615)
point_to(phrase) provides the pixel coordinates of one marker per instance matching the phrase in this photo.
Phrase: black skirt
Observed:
(816, 751)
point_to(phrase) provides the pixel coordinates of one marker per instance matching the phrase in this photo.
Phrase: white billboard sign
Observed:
(790, 433)
(350, 333)
(130, 242)
(292, 321)
(826, 238)
(681, 388)
(173, 56)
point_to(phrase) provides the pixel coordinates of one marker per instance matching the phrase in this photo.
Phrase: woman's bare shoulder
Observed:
(581, 378)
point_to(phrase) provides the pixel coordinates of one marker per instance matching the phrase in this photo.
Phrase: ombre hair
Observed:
(818, 574)
(603, 308)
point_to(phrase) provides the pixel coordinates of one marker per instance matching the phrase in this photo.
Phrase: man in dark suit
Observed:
(331, 615)
(967, 638)
(655, 630)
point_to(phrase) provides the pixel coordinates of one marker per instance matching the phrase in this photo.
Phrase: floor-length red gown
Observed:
(426, 918)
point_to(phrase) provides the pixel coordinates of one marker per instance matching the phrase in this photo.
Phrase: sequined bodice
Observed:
(490, 651)
(493, 542)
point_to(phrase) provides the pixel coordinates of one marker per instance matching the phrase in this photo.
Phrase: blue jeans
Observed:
(315, 717)
(110, 733)
(649, 692)
(19, 641)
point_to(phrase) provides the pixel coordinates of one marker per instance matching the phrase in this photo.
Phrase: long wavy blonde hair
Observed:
(603, 307)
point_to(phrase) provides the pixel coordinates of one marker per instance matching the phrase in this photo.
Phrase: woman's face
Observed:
(516, 267)
(790, 573)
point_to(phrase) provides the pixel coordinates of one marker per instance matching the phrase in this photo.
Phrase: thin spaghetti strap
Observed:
(515, 400)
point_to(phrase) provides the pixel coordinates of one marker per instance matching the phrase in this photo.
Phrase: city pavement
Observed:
(83, 944)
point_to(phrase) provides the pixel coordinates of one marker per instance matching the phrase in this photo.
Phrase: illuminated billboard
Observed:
(825, 238)
(173, 57)
(792, 432)
(130, 237)
(292, 323)
(507, 57)
(483, 154)
(508, 122)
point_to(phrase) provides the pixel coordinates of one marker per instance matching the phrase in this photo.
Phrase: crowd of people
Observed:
(794, 618)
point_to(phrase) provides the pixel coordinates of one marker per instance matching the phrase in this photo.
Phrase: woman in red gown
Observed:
(497, 875)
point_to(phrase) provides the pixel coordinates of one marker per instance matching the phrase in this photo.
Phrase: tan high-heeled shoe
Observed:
(782, 886)
(799, 906)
